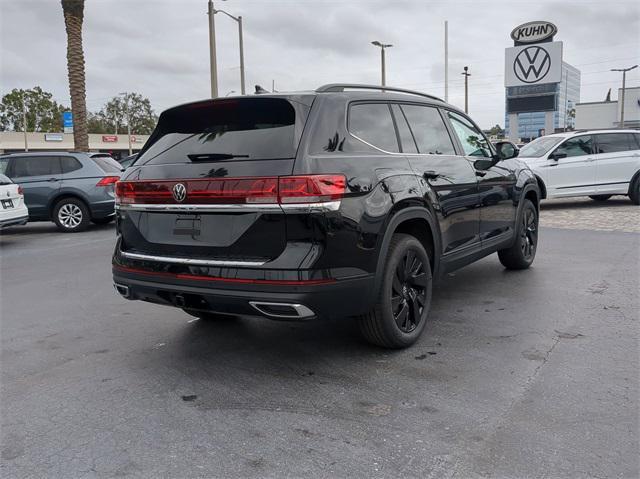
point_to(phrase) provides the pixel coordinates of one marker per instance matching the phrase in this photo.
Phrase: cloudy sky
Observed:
(159, 48)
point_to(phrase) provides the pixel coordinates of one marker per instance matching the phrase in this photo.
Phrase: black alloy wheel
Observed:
(409, 292)
(529, 234)
(522, 252)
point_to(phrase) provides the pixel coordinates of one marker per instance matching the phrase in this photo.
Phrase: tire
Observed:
(523, 251)
(207, 315)
(103, 221)
(404, 298)
(600, 197)
(634, 193)
(71, 215)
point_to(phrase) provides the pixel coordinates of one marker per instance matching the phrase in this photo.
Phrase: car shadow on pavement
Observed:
(37, 228)
(585, 203)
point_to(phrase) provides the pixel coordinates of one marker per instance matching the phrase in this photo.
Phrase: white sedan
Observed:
(13, 211)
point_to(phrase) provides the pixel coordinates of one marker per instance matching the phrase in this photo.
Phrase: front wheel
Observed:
(600, 197)
(634, 194)
(402, 304)
(71, 215)
(521, 254)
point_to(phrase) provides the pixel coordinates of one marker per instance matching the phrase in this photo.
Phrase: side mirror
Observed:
(484, 163)
(556, 156)
(506, 150)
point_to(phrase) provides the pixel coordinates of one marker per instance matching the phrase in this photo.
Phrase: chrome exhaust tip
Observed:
(122, 290)
(282, 310)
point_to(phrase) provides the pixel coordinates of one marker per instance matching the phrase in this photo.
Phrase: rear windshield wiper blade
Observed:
(214, 156)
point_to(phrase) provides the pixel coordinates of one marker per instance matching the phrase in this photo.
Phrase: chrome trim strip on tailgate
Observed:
(239, 208)
(189, 261)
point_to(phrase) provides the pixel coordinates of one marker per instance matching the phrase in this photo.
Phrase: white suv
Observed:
(597, 163)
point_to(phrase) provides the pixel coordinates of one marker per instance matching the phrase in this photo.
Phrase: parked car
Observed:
(13, 210)
(597, 163)
(127, 161)
(70, 189)
(345, 201)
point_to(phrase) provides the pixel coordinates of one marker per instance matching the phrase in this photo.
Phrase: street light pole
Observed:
(624, 79)
(212, 50)
(241, 45)
(127, 112)
(382, 46)
(466, 89)
(24, 122)
(446, 61)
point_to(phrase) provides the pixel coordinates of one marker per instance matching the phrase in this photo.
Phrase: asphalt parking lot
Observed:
(518, 374)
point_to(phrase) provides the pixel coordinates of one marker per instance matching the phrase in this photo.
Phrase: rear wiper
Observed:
(214, 156)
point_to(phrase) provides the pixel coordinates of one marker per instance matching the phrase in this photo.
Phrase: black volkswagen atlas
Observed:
(349, 200)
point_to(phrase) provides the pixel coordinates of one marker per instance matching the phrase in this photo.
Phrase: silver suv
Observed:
(70, 189)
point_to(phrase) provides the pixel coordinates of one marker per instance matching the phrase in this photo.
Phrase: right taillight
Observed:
(20, 190)
(261, 190)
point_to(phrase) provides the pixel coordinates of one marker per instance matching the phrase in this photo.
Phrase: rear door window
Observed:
(407, 142)
(28, 166)
(69, 164)
(243, 129)
(372, 123)
(614, 142)
(429, 130)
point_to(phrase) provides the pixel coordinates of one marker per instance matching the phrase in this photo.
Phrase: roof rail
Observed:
(340, 87)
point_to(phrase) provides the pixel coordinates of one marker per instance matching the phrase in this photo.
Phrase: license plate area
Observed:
(7, 204)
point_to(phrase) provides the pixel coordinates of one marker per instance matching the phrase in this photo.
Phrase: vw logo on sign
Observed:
(179, 192)
(532, 64)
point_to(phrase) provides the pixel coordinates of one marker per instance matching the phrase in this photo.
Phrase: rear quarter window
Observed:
(107, 164)
(69, 164)
(373, 124)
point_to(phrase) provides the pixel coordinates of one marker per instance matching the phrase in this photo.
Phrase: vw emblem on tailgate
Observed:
(179, 192)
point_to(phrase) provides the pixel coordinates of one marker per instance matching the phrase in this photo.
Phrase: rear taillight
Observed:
(108, 180)
(20, 190)
(264, 190)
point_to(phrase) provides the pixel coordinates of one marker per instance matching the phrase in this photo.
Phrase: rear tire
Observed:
(71, 215)
(634, 193)
(207, 315)
(103, 221)
(403, 301)
(600, 197)
(523, 251)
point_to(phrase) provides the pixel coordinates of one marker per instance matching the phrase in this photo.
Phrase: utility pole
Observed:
(624, 79)
(240, 44)
(212, 50)
(446, 61)
(24, 122)
(382, 46)
(127, 112)
(466, 89)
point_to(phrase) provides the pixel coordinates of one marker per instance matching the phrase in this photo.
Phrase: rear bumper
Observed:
(339, 299)
(102, 209)
(17, 220)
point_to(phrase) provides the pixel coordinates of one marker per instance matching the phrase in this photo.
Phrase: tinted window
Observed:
(4, 163)
(36, 166)
(407, 142)
(473, 141)
(107, 164)
(636, 137)
(247, 129)
(578, 146)
(428, 129)
(4, 180)
(613, 142)
(372, 123)
(69, 164)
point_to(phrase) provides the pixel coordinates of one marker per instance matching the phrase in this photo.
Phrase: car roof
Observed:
(567, 134)
(45, 153)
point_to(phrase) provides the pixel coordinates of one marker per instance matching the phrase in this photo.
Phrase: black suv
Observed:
(345, 201)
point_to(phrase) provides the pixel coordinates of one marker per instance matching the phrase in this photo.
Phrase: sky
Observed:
(159, 48)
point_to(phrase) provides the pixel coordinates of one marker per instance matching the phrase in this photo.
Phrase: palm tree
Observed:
(73, 15)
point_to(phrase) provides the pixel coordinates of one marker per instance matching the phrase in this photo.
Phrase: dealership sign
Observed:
(533, 32)
(533, 64)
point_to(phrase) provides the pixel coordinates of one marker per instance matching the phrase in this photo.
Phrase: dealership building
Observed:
(606, 114)
(541, 90)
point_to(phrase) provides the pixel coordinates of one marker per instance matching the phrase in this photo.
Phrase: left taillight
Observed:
(108, 180)
(20, 190)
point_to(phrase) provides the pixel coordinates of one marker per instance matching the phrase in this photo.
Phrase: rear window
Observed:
(107, 164)
(242, 129)
(5, 180)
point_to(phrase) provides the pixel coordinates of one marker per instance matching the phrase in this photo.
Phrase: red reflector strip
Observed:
(108, 180)
(267, 190)
(304, 282)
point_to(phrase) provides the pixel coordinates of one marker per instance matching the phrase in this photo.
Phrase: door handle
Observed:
(52, 180)
(589, 160)
(430, 175)
(480, 173)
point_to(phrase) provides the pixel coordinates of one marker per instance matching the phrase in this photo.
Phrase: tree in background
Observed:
(73, 11)
(43, 113)
(496, 131)
(113, 116)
